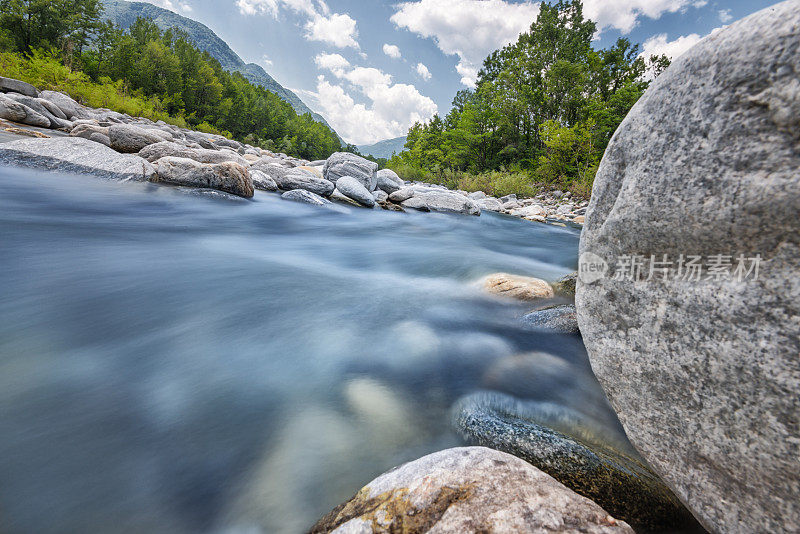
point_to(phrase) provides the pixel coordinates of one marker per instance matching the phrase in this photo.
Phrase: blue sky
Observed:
(372, 68)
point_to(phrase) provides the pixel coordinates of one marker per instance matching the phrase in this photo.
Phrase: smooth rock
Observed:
(559, 318)
(301, 180)
(130, 139)
(508, 198)
(443, 201)
(307, 197)
(43, 107)
(380, 196)
(470, 489)
(76, 155)
(18, 86)
(576, 452)
(228, 177)
(401, 195)
(489, 204)
(352, 188)
(517, 287)
(262, 181)
(705, 374)
(388, 181)
(98, 137)
(338, 196)
(156, 151)
(477, 195)
(345, 164)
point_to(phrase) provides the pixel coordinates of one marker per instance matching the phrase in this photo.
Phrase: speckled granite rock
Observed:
(566, 285)
(468, 490)
(583, 456)
(705, 375)
(559, 318)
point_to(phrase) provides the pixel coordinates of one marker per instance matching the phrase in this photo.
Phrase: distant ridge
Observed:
(124, 14)
(384, 149)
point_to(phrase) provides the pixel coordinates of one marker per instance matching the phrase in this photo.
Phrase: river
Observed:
(177, 363)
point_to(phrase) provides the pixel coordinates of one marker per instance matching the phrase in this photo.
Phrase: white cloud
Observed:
(393, 51)
(423, 71)
(266, 60)
(176, 5)
(624, 15)
(336, 29)
(469, 29)
(658, 45)
(725, 16)
(389, 111)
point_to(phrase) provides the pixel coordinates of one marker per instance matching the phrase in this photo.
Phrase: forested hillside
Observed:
(543, 111)
(66, 45)
(124, 14)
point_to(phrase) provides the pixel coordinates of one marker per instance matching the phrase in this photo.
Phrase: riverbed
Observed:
(175, 362)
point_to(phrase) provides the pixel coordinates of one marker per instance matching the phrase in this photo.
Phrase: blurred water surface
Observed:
(175, 363)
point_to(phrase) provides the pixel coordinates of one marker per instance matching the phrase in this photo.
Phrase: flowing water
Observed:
(176, 363)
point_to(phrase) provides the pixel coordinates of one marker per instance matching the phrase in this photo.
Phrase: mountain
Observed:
(384, 149)
(124, 14)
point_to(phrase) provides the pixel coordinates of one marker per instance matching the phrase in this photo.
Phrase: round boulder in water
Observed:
(352, 188)
(576, 452)
(701, 364)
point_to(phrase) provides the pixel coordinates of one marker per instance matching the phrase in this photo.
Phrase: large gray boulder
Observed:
(346, 164)
(444, 201)
(17, 86)
(156, 151)
(228, 177)
(469, 489)
(130, 139)
(352, 188)
(76, 155)
(705, 373)
(262, 182)
(306, 197)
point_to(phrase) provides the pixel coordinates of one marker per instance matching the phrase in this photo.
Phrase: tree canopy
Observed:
(547, 104)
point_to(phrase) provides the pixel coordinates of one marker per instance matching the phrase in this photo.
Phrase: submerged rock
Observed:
(470, 489)
(576, 452)
(704, 371)
(76, 155)
(517, 287)
(228, 177)
(559, 318)
(306, 197)
(352, 188)
(345, 164)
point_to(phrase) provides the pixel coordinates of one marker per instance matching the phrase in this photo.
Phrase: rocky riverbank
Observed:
(50, 130)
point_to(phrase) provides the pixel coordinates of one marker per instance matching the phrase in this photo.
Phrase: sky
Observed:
(372, 67)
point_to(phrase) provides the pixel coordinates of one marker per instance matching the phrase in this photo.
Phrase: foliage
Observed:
(545, 106)
(148, 72)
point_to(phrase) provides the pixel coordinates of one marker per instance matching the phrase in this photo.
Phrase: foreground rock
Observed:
(76, 155)
(468, 490)
(228, 177)
(299, 179)
(388, 181)
(705, 373)
(574, 451)
(345, 164)
(131, 139)
(517, 287)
